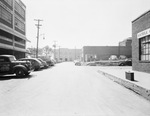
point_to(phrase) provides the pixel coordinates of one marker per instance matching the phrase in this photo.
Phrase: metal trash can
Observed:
(130, 76)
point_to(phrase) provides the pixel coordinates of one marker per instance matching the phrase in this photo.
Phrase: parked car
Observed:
(91, 64)
(127, 62)
(77, 63)
(43, 62)
(36, 64)
(122, 57)
(113, 57)
(50, 62)
(9, 65)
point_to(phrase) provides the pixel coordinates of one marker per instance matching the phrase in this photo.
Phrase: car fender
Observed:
(20, 66)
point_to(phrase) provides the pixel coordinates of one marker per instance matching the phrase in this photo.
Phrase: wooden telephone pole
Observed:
(38, 27)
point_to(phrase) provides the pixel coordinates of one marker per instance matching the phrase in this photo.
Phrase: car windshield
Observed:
(12, 58)
(40, 59)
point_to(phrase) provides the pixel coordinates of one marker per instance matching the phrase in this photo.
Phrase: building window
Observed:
(10, 2)
(5, 15)
(19, 40)
(145, 48)
(19, 9)
(19, 24)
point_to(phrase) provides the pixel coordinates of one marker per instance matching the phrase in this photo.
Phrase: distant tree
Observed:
(32, 51)
(47, 50)
(40, 51)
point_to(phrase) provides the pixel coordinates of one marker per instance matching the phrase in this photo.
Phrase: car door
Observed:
(32, 62)
(5, 66)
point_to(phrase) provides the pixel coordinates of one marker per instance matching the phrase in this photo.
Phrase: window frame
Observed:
(144, 49)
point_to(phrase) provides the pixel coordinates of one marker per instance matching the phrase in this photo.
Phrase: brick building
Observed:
(90, 53)
(13, 28)
(126, 42)
(141, 43)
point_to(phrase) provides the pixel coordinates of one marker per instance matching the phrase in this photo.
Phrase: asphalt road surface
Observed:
(68, 90)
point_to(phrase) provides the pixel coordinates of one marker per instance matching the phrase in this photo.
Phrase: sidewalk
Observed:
(140, 85)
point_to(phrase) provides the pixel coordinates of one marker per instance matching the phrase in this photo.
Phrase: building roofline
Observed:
(99, 46)
(21, 3)
(129, 38)
(140, 16)
(104, 46)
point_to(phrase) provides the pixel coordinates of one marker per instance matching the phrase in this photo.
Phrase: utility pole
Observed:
(54, 50)
(75, 52)
(59, 52)
(119, 50)
(38, 27)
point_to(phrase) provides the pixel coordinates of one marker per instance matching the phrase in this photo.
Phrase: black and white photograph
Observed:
(74, 57)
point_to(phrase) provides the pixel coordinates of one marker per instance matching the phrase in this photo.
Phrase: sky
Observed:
(78, 23)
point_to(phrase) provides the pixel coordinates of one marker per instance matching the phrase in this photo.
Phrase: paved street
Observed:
(68, 90)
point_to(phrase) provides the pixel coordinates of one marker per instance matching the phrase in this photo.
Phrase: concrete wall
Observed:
(138, 25)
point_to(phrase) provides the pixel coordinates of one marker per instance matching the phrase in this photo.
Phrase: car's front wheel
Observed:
(121, 64)
(27, 73)
(19, 72)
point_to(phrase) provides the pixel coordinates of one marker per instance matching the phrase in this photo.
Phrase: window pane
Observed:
(148, 38)
(143, 40)
(146, 57)
(142, 51)
(149, 50)
(146, 51)
(146, 45)
(142, 57)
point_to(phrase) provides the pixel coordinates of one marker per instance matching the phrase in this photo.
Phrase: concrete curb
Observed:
(136, 88)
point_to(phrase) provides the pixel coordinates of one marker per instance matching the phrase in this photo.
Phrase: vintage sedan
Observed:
(43, 62)
(9, 65)
(36, 64)
(127, 62)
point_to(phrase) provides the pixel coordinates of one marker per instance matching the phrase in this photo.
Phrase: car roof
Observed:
(30, 59)
(39, 58)
(7, 55)
(27, 58)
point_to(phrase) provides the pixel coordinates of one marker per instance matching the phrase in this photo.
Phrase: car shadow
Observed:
(136, 81)
(9, 77)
